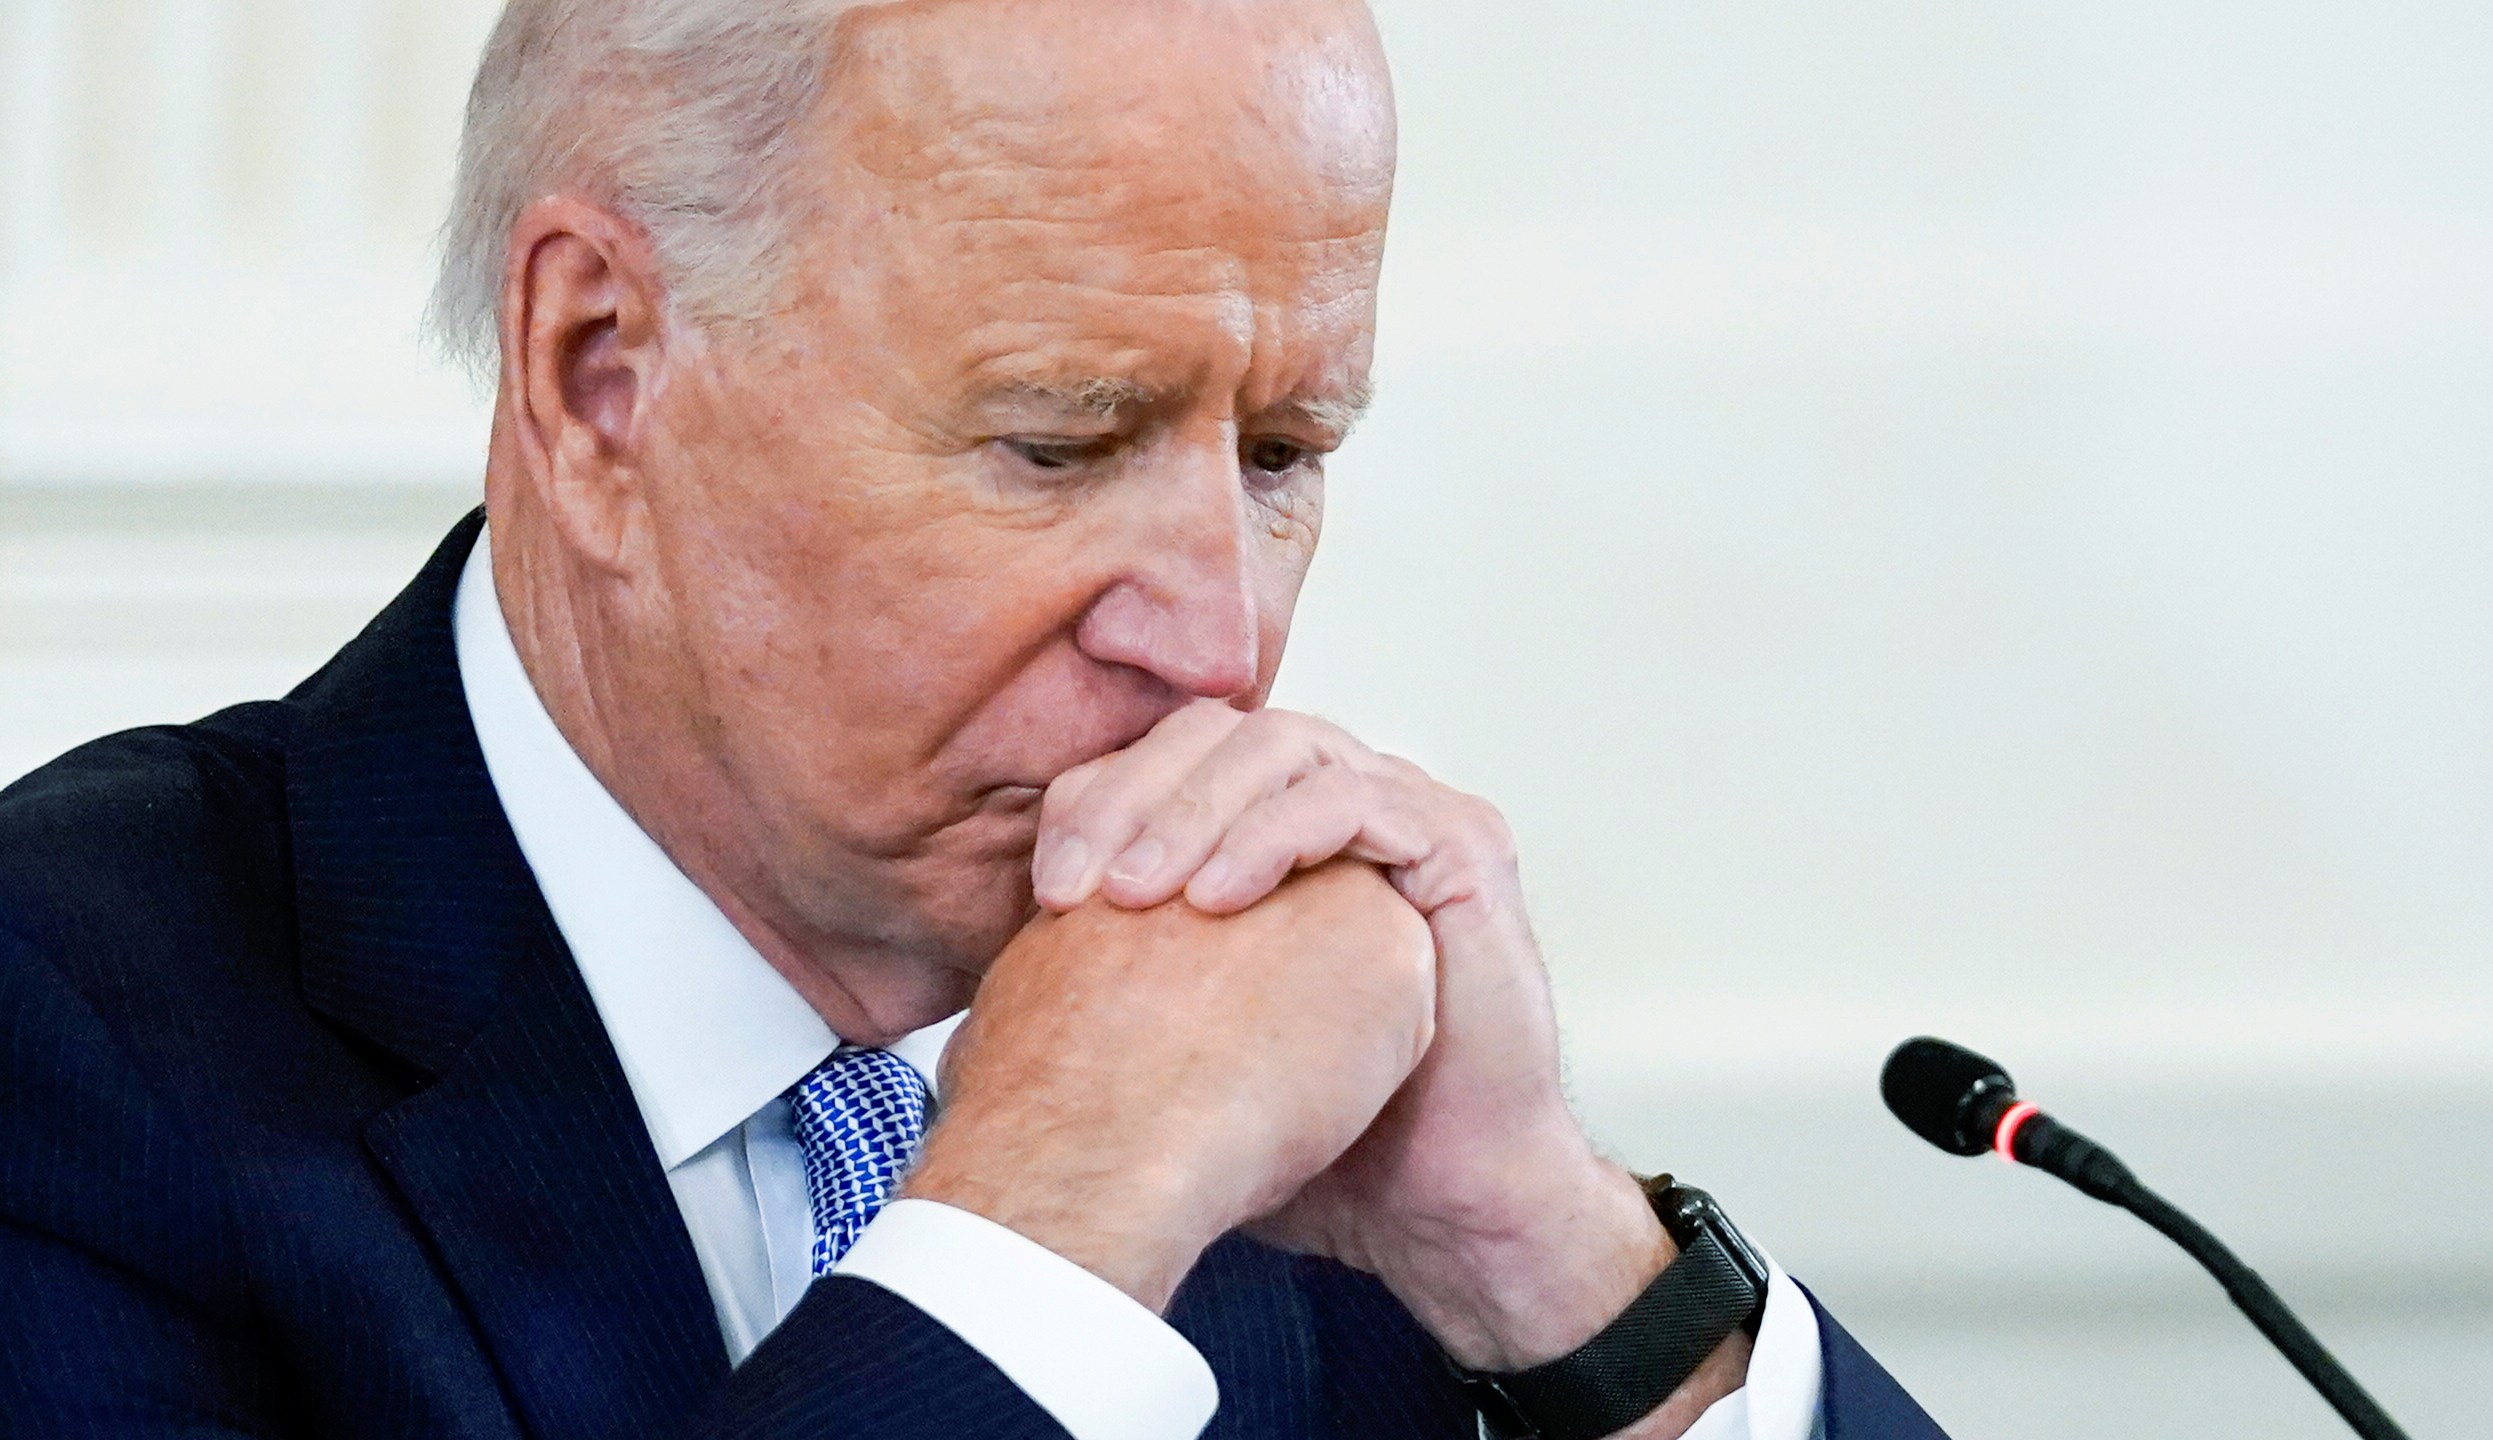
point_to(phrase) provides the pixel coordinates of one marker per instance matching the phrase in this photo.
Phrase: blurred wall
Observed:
(1949, 516)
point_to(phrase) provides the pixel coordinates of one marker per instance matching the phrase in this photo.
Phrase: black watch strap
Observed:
(1715, 1286)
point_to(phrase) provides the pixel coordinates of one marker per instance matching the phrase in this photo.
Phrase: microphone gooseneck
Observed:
(1966, 1104)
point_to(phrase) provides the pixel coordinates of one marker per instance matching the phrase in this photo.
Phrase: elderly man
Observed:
(909, 444)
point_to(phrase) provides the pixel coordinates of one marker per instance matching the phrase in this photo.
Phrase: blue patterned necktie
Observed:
(859, 1118)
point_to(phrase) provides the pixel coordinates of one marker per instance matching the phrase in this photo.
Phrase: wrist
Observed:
(1541, 1273)
(1658, 1366)
(1131, 1224)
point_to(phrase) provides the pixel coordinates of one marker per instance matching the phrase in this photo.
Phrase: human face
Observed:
(1033, 453)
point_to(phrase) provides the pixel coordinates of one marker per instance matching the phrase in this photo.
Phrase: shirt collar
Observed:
(707, 1031)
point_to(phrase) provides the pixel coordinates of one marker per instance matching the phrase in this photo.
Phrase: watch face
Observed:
(1687, 1213)
(1684, 1209)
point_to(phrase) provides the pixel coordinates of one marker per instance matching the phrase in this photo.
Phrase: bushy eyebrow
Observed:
(1107, 397)
(1103, 396)
(1335, 413)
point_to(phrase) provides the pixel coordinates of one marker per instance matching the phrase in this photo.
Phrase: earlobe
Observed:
(582, 345)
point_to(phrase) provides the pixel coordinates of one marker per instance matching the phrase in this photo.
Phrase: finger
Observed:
(1266, 754)
(1065, 789)
(1078, 836)
(1471, 857)
(1335, 812)
(1061, 795)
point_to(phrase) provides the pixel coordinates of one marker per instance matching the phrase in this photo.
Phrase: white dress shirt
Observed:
(711, 1038)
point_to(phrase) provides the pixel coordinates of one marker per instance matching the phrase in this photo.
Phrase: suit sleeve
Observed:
(854, 1359)
(120, 1302)
(1383, 1378)
(126, 1303)
(1100, 1362)
(86, 1351)
(89, 1350)
(1859, 1399)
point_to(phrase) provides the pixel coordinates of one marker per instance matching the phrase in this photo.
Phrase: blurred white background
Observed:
(1929, 515)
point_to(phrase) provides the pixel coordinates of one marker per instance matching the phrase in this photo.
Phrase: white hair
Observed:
(684, 116)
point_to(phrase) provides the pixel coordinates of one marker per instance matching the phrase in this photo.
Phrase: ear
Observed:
(582, 344)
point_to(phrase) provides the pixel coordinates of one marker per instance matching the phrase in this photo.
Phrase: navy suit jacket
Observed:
(308, 1128)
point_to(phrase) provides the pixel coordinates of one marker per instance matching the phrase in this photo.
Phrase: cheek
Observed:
(848, 619)
(953, 660)
(918, 627)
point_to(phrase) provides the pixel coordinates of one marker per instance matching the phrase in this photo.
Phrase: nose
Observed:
(1184, 609)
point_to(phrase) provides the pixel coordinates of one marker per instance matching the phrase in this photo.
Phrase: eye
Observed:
(1275, 457)
(1055, 454)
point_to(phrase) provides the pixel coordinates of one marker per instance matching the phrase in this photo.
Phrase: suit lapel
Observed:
(521, 1152)
(530, 1167)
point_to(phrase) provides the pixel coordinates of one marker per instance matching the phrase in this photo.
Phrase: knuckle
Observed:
(1313, 737)
(1210, 717)
(1273, 826)
(1267, 849)
(1336, 784)
(1271, 733)
(1216, 717)
(1187, 811)
(1105, 811)
(1072, 806)
(1254, 828)
(1331, 739)
(1316, 816)
(1063, 798)
(1485, 832)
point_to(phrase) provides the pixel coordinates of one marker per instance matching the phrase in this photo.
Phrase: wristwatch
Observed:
(1716, 1285)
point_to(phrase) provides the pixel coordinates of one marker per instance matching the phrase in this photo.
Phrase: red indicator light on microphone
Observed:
(2004, 1140)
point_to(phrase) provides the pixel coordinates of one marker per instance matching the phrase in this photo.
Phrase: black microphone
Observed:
(1966, 1104)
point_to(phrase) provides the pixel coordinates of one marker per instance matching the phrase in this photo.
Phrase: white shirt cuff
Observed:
(1084, 1351)
(1780, 1400)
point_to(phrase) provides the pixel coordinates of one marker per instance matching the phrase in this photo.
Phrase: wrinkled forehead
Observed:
(1119, 107)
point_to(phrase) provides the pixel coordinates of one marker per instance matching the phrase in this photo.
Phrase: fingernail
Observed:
(1214, 881)
(1140, 862)
(1062, 869)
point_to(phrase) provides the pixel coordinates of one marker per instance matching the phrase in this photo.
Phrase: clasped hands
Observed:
(1283, 982)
